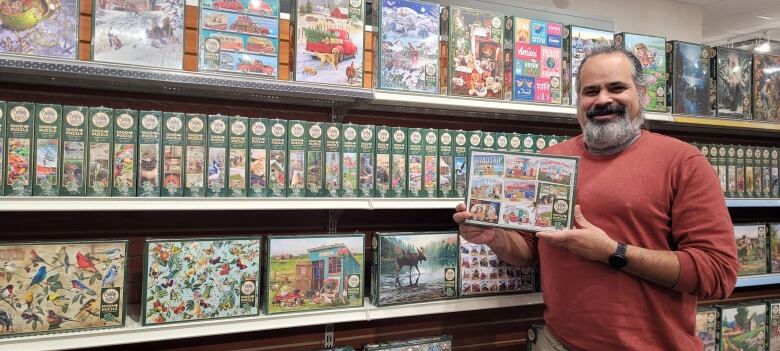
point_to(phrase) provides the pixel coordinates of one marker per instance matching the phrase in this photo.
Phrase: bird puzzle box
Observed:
(743, 327)
(751, 248)
(707, 327)
(482, 272)
(217, 155)
(414, 267)
(314, 272)
(476, 42)
(521, 190)
(62, 286)
(329, 41)
(438, 343)
(199, 279)
(651, 52)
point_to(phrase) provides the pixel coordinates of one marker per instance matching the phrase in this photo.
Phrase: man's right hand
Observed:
(474, 234)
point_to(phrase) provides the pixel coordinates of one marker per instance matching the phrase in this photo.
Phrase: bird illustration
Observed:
(10, 269)
(28, 298)
(35, 258)
(62, 257)
(78, 286)
(111, 254)
(55, 320)
(7, 292)
(39, 276)
(110, 277)
(84, 262)
(55, 298)
(89, 308)
(6, 322)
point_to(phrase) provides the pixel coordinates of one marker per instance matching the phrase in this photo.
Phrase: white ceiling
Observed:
(734, 21)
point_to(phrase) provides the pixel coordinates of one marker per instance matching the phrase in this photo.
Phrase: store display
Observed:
(315, 160)
(743, 327)
(460, 163)
(173, 154)
(195, 155)
(751, 248)
(415, 166)
(125, 153)
(366, 161)
(329, 42)
(476, 41)
(314, 272)
(688, 86)
(41, 28)
(707, 327)
(650, 52)
(48, 132)
(333, 141)
(766, 87)
(74, 154)
(100, 152)
(62, 286)
(349, 160)
(773, 326)
(734, 88)
(577, 43)
(439, 343)
(237, 156)
(139, 33)
(430, 163)
(187, 280)
(774, 156)
(277, 158)
(431, 259)
(537, 60)
(239, 36)
(408, 46)
(482, 272)
(521, 191)
(296, 156)
(258, 157)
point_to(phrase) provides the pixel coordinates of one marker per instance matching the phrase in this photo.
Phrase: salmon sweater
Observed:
(661, 194)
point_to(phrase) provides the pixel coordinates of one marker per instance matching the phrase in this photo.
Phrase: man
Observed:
(652, 229)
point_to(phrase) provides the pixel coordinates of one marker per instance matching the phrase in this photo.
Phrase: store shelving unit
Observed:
(133, 332)
(758, 280)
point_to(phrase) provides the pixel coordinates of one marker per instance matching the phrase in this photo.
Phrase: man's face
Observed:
(608, 109)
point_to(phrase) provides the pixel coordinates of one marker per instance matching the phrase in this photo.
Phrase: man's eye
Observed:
(590, 92)
(618, 89)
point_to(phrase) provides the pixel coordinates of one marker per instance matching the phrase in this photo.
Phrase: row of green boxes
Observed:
(745, 171)
(53, 150)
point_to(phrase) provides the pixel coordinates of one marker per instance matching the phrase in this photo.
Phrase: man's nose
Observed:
(604, 98)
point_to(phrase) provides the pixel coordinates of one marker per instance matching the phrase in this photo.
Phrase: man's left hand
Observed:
(587, 241)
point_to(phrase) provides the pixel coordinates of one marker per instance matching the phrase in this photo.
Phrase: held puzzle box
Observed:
(521, 191)
(414, 267)
(198, 279)
(482, 272)
(751, 248)
(62, 286)
(314, 272)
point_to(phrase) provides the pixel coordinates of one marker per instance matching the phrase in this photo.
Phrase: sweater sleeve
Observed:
(703, 232)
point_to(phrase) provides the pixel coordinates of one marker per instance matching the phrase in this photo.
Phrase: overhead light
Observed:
(763, 48)
(766, 18)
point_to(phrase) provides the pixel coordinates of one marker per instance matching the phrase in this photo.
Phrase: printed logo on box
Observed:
(502, 141)
(540, 143)
(258, 128)
(731, 152)
(315, 132)
(350, 133)
(195, 125)
(20, 114)
(75, 118)
(765, 154)
(124, 121)
(383, 135)
(48, 115)
(415, 137)
(460, 139)
(109, 307)
(150, 121)
(247, 298)
(333, 132)
(297, 130)
(277, 130)
(399, 136)
(527, 51)
(514, 142)
(174, 124)
(446, 139)
(366, 134)
(238, 127)
(538, 32)
(488, 139)
(100, 120)
(475, 140)
(528, 142)
(430, 138)
(218, 126)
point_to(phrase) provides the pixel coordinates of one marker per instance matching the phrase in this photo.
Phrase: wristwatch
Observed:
(619, 259)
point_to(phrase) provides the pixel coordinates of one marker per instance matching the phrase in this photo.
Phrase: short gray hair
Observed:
(636, 75)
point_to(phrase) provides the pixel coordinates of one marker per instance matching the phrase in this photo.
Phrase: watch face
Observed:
(617, 261)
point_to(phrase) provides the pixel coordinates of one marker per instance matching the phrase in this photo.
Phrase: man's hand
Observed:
(587, 241)
(472, 233)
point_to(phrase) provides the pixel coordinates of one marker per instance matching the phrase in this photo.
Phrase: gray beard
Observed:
(613, 136)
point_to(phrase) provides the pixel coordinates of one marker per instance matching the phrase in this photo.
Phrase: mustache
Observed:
(606, 110)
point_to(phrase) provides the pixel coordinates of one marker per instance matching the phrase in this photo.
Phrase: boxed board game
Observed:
(773, 326)
(19, 147)
(195, 156)
(62, 286)
(200, 278)
(742, 327)
(149, 149)
(173, 154)
(315, 151)
(415, 162)
(296, 159)
(349, 160)
(41, 28)
(239, 36)
(217, 153)
(688, 87)
(48, 132)
(277, 158)
(398, 157)
(751, 248)
(139, 33)
(577, 43)
(100, 151)
(414, 267)
(383, 156)
(476, 42)
(74, 154)
(650, 51)
(437, 343)
(333, 141)
(707, 327)
(408, 56)
(329, 42)
(521, 190)
(237, 156)
(314, 272)
(482, 272)
(125, 153)
(258, 157)
(366, 158)
(766, 88)
(774, 247)
(537, 60)
(445, 163)
(733, 83)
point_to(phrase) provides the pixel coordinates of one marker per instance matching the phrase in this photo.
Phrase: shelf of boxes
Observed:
(133, 332)
(753, 202)
(758, 280)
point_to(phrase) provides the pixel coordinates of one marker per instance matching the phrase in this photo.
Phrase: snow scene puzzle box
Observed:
(475, 52)
(521, 190)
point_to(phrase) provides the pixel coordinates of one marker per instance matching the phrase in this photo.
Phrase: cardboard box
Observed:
(277, 160)
(398, 179)
(48, 132)
(430, 178)
(296, 159)
(367, 161)
(315, 160)
(415, 163)
(19, 147)
(149, 153)
(460, 160)
(332, 159)
(383, 161)
(446, 165)
(125, 153)
(173, 154)
(100, 151)
(216, 168)
(349, 160)
(258, 157)
(74, 151)
(237, 156)
(195, 155)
